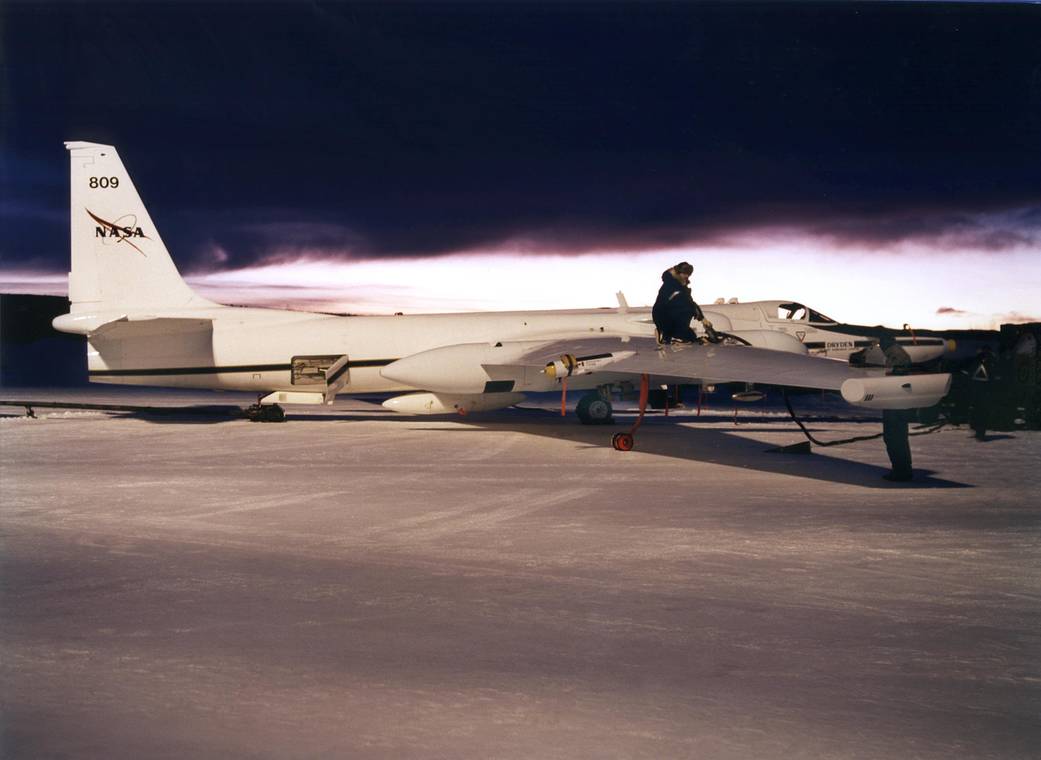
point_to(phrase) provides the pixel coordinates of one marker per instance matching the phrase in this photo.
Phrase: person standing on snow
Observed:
(982, 374)
(895, 421)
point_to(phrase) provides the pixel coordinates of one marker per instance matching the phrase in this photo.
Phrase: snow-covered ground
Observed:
(359, 584)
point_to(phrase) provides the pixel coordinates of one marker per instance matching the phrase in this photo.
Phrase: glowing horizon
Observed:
(915, 284)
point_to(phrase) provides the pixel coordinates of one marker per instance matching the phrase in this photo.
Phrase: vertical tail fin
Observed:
(119, 262)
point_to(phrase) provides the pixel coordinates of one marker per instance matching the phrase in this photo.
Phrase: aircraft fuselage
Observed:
(254, 349)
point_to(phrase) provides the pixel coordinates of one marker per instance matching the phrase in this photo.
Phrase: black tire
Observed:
(594, 409)
(266, 413)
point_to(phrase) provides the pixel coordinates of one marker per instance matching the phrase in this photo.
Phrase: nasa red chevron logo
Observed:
(119, 231)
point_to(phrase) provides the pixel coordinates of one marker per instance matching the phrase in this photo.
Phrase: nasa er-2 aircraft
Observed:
(145, 326)
(823, 336)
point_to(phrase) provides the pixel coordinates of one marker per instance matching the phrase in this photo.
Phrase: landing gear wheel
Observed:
(266, 413)
(622, 442)
(594, 409)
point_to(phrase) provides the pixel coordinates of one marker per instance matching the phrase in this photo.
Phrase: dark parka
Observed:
(674, 309)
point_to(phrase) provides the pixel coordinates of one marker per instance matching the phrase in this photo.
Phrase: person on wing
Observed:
(675, 309)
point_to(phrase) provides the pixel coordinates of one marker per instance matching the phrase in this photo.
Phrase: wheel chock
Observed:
(623, 441)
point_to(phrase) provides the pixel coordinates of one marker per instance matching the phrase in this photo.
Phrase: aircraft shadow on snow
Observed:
(658, 436)
(665, 436)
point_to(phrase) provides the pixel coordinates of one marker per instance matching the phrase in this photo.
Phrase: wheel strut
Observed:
(626, 441)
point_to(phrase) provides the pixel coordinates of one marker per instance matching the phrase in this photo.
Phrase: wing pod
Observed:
(454, 369)
(896, 391)
(922, 350)
(451, 403)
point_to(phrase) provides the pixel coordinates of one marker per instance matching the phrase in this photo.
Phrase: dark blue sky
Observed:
(400, 130)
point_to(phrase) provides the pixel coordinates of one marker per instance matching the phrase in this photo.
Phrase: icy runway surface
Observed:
(358, 584)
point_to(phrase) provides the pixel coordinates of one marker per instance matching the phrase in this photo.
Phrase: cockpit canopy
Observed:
(796, 312)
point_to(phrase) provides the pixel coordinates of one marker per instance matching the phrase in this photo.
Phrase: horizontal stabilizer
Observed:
(204, 410)
(111, 326)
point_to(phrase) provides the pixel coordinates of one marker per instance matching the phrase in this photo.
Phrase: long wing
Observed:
(693, 362)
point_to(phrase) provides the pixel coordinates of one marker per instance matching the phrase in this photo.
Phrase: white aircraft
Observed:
(145, 326)
(821, 335)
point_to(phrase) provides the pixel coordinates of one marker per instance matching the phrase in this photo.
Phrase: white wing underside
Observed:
(693, 362)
